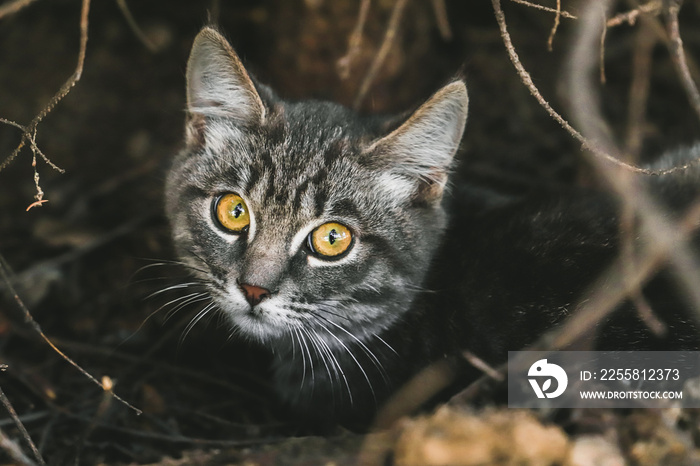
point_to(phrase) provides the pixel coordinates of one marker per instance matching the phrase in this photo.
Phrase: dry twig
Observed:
(414, 393)
(555, 26)
(344, 63)
(14, 451)
(138, 32)
(482, 365)
(638, 97)
(387, 42)
(630, 17)
(639, 89)
(601, 56)
(527, 80)
(27, 438)
(610, 289)
(11, 7)
(28, 319)
(29, 132)
(678, 54)
(442, 20)
(537, 6)
(586, 109)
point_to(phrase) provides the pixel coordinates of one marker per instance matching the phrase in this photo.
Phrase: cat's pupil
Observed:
(238, 210)
(333, 236)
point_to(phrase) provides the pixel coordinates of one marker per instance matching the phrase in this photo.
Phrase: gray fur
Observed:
(299, 165)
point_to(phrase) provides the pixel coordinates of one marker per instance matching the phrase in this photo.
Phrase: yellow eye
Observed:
(232, 213)
(330, 239)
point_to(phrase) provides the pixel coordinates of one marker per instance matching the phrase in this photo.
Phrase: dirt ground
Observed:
(90, 264)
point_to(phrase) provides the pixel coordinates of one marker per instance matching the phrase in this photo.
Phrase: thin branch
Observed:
(344, 63)
(584, 103)
(527, 80)
(612, 288)
(601, 56)
(537, 6)
(29, 132)
(608, 293)
(639, 89)
(661, 32)
(628, 259)
(214, 12)
(28, 319)
(442, 20)
(11, 7)
(27, 438)
(555, 26)
(138, 32)
(482, 365)
(14, 451)
(586, 110)
(678, 54)
(388, 41)
(638, 97)
(414, 393)
(630, 17)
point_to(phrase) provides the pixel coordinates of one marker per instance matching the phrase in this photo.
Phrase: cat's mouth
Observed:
(263, 319)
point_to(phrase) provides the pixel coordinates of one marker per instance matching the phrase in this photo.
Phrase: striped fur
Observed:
(299, 165)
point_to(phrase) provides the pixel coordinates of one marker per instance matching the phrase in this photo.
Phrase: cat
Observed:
(332, 239)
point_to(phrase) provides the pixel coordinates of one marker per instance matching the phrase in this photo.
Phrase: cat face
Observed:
(305, 217)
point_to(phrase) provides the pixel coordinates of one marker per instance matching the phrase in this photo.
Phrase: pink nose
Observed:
(253, 294)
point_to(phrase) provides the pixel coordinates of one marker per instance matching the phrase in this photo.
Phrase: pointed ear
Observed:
(422, 148)
(218, 84)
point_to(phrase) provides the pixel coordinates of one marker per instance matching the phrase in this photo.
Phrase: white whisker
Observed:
(196, 319)
(179, 286)
(364, 373)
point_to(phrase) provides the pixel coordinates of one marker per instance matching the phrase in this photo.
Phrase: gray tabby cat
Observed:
(321, 235)
(312, 228)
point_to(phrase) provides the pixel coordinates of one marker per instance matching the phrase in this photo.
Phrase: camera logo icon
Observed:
(544, 371)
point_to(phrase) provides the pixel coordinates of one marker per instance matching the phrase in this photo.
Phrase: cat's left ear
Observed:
(423, 147)
(218, 84)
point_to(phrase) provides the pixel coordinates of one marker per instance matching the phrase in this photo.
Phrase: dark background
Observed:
(75, 260)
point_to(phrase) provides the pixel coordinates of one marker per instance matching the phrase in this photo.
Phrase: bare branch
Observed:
(442, 20)
(28, 319)
(527, 80)
(14, 451)
(537, 6)
(424, 385)
(586, 109)
(482, 365)
(630, 17)
(553, 32)
(678, 54)
(388, 41)
(13, 6)
(639, 89)
(344, 63)
(75, 77)
(138, 32)
(29, 131)
(612, 287)
(27, 438)
(601, 56)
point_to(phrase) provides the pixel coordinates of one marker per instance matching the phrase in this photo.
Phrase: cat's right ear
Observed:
(422, 148)
(218, 85)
